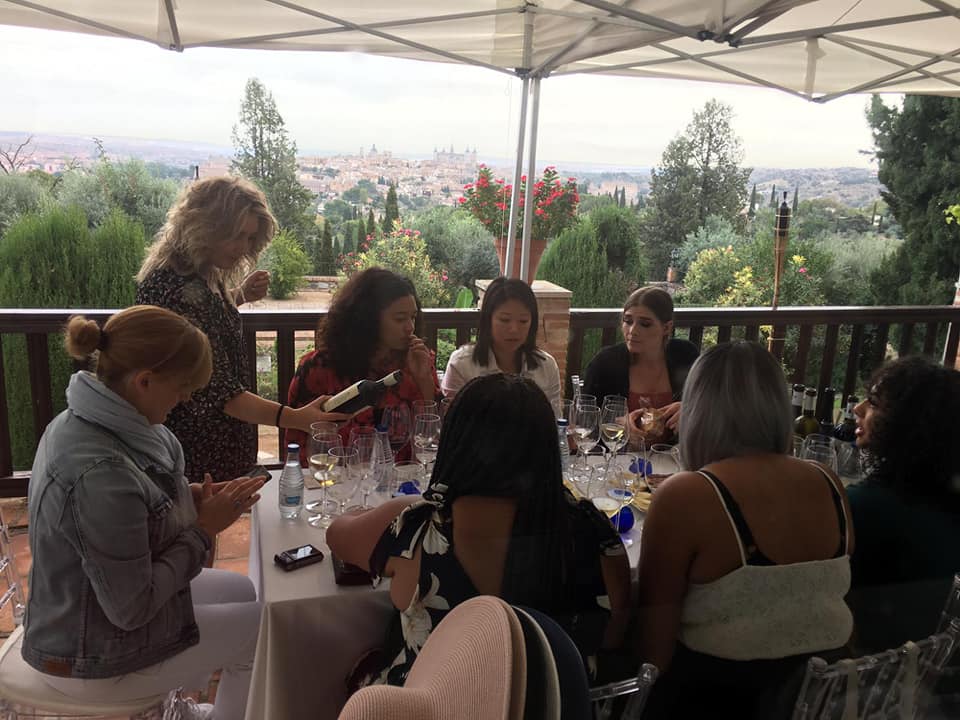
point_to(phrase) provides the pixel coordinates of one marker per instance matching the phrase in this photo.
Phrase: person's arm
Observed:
(666, 554)
(420, 365)
(129, 578)
(258, 411)
(353, 537)
(551, 386)
(616, 579)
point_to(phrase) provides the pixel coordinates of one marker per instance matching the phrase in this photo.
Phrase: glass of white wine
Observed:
(613, 427)
(585, 428)
(320, 463)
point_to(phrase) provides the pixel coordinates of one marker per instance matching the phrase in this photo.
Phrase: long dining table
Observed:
(312, 631)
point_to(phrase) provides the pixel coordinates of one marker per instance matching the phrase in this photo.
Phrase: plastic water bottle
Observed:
(562, 424)
(291, 484)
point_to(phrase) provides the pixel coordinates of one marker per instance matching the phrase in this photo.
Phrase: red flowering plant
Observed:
(555, 203)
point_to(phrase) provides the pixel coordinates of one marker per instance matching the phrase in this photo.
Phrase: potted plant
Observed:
(555, 208)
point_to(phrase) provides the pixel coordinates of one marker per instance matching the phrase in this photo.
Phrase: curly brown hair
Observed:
(351, 331)
(914, 433)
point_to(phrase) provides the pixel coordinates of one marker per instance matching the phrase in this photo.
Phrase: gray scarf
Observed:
(89, 399)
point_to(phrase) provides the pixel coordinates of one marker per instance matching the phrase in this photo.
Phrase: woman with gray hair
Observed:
(732, 604)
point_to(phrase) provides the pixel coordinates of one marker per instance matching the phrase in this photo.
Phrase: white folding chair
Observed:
(892, 685)
(638, 688)
(23, 693)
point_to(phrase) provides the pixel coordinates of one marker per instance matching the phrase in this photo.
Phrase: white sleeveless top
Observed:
(765, 611)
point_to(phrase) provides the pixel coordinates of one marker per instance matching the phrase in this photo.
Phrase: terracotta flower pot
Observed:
(536, 252)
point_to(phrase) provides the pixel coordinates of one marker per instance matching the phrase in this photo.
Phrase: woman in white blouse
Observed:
(506, 342)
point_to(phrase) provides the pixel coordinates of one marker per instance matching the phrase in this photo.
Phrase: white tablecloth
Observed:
(312, 630)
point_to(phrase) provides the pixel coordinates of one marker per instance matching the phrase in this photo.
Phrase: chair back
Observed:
(951, 609)
(11, 589)
(893, 685)
(637, 689)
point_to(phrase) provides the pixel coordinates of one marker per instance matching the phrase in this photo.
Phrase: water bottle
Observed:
(562, 424)
(291, 484)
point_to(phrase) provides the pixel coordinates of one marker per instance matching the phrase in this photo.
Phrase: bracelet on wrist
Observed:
(279, 413)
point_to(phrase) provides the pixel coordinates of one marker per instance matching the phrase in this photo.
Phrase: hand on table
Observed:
(219, 509)
(255, 285)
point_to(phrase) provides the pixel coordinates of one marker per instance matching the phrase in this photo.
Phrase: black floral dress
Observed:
(444, 583)
(212, 441)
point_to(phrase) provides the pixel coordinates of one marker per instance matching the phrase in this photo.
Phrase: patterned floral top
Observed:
(315, 378)
(444, 583)
(212, 441)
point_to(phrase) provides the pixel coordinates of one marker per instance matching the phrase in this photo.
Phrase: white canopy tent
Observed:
(815, 49)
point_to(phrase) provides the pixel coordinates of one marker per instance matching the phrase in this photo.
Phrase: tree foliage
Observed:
(326, 258)
(577, 261)
(391, 212)
(19, 195)
(618, 232)
(265, 153)
(287, 263)
(918, 148)
(699, 175)
(457, 241)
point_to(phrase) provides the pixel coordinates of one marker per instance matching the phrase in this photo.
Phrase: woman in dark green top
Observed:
(907, 510)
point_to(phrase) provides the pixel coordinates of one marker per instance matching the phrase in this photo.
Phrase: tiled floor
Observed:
(233, 547)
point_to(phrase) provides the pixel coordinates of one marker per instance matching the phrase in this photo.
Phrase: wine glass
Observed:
(322, 426)
(344, 474)
(444, 406)
(365, 443)
(426, 438)
(585, 429)
(584, 400)
(823, 454)
(665, 460)
(319, 459)
(613, 426)
(399, 427)
(614, 400)
(425, 407)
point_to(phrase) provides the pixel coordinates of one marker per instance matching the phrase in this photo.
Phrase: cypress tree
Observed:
(326, 264)
(753, 202)
(391, 211)
(796, 199)
(773, 197)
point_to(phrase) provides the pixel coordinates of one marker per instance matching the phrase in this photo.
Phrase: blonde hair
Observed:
(142, 337)
(207, 213)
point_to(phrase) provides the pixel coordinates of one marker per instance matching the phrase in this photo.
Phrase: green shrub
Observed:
(52, 260)
(287, 263)
(19, 194)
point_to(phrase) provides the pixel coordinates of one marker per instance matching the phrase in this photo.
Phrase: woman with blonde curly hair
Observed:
(198, 268)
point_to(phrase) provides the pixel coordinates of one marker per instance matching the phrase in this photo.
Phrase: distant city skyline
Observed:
(63, 83)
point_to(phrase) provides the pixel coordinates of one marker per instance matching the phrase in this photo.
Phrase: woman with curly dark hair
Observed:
(370, 331)
(907, 509)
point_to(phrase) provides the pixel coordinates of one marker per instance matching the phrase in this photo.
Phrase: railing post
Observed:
(6, 455)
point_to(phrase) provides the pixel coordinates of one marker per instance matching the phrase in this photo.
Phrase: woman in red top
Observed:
(369, 331)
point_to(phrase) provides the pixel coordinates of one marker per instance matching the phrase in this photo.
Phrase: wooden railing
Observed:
(818, 329)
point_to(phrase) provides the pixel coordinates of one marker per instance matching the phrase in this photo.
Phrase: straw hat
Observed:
(472, 667)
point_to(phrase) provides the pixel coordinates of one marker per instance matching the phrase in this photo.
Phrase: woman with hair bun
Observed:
(118, 537)
(197, 267)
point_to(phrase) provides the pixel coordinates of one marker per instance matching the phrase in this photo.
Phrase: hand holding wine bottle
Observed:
(313, 412)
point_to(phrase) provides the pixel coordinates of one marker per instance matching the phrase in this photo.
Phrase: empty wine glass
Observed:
(319, 459)
(613, 400)
(365, 444)
(584, 400)
(322, 426)
(426, 438)
(397, 420)
(665, 461)
(425, 407)
(344, 475)
(444, 406)
(823, 454)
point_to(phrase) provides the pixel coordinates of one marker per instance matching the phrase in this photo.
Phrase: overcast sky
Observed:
(75, 84)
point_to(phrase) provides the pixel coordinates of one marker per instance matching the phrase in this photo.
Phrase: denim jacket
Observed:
(113, 539)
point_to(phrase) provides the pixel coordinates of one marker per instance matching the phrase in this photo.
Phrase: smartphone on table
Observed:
(298, 557)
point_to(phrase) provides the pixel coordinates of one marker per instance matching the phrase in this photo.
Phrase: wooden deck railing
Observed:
(835, 334)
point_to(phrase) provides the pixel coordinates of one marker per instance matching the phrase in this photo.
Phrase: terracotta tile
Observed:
(14, 512)
(237, 565)
(234, 542)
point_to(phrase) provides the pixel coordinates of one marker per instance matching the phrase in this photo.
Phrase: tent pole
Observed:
(515, 190)
(531, 175)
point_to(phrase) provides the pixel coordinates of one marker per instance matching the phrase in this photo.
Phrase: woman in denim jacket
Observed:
(118, 537)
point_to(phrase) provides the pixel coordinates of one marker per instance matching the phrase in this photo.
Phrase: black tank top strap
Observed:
(753, 555)
(841, 511)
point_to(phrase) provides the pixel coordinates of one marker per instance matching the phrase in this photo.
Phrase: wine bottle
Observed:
(806, 424)
(825, 403)
(796, 402)
(846, 429)
(362, 394)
